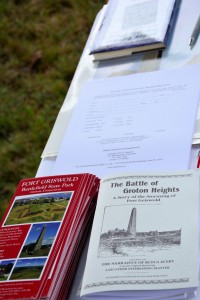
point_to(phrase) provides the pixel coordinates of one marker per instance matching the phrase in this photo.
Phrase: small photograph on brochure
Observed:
(40, 239)
(38, 208)
(6, 268)
(28, 269)
(128, 236)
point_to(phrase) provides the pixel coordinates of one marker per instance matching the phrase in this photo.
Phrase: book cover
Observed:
(133, 26)
(145, 236)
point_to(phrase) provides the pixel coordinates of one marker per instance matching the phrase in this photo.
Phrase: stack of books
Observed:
(42, 234)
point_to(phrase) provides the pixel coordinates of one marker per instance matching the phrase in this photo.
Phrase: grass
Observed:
(25, 273)
(33, 213)
(41, 43)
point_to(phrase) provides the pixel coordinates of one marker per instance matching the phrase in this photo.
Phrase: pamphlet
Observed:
(42, 230)
(145, 234)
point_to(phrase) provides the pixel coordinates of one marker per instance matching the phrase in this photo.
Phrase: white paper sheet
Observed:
(135, 122)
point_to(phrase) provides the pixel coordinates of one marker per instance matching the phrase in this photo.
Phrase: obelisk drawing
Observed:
(132, 223)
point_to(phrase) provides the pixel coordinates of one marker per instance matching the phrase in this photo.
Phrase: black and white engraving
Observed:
(125, 241)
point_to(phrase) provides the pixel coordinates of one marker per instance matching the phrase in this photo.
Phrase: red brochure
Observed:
(41, 232)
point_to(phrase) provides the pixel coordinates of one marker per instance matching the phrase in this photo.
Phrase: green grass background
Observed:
(40, 45)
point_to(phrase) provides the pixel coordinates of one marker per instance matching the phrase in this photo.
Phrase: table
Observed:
(177, 55)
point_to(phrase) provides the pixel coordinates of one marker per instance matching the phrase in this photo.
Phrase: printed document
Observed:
(136, 122)
(155, 246)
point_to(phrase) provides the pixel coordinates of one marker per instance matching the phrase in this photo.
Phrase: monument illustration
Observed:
(132, 223)
(113, 239)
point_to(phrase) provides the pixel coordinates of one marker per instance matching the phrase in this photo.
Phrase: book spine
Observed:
(172, 21)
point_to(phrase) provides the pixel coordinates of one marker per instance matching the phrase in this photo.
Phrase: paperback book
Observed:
(145, 238)
(130, 27)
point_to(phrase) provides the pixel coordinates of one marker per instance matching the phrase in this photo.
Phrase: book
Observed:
(42, 234)
(130, 27)
(145, 237)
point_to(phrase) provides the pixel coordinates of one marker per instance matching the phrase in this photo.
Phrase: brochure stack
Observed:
(42, 234)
